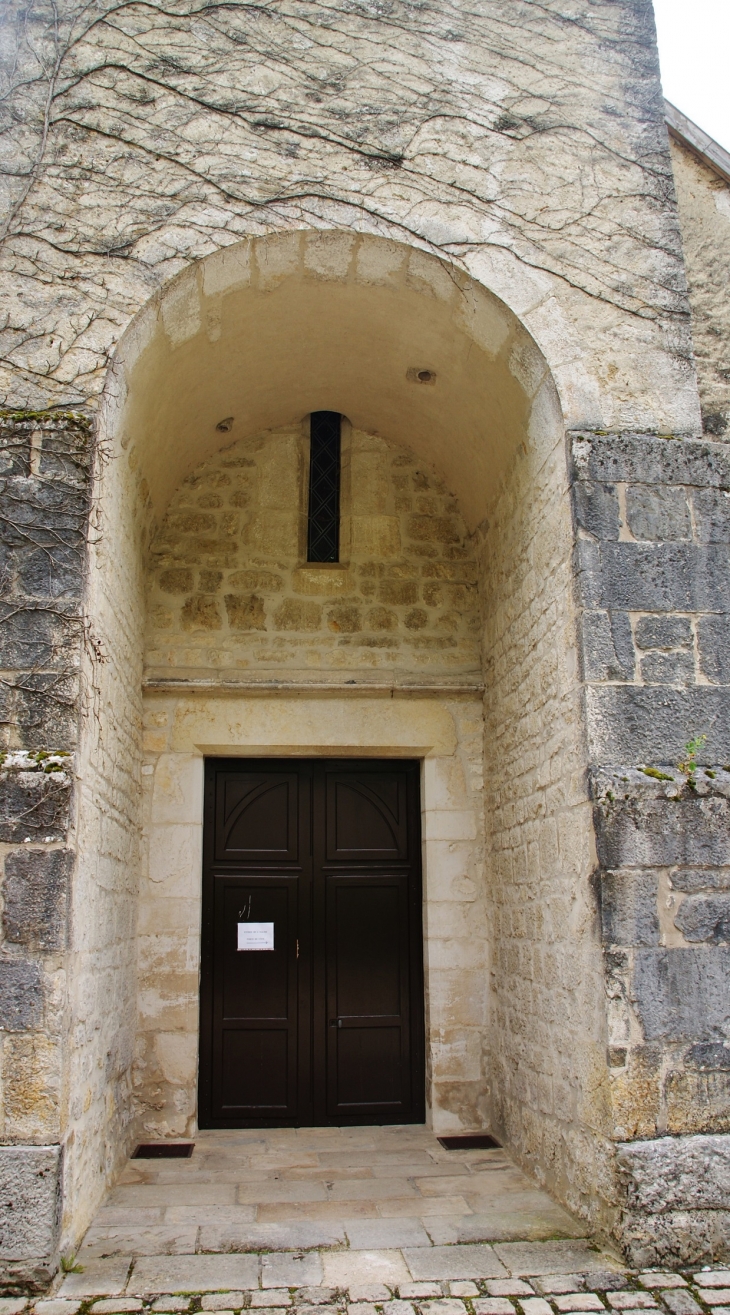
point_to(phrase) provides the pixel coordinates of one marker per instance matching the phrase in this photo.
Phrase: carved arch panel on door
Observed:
(366, 817)
(257, 818)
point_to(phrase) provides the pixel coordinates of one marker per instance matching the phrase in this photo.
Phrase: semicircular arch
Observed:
(262, 332)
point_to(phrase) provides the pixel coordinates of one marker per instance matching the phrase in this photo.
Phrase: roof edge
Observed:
(698, 141)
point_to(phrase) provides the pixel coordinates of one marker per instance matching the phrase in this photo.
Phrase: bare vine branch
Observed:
(139, 136)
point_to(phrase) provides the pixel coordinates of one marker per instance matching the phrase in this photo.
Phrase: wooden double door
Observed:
(312, 948)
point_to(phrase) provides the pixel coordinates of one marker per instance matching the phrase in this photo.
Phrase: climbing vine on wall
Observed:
(141, 135)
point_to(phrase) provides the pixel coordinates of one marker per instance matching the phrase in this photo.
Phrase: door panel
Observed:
(366, 816)
(368, 972)
(256, 816)
(255, 1000)
(326, 1027)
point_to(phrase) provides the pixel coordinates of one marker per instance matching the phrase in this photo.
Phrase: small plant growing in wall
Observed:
(688, 764)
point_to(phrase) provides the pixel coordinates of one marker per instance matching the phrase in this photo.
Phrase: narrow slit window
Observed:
(323, 527)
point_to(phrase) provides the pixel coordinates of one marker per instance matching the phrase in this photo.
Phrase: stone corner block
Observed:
(676, 1173)
(30, 1213)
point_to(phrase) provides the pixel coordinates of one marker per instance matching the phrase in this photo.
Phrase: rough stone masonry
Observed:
(390, 174)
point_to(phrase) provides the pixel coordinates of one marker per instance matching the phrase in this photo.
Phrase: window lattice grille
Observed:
(323, 535)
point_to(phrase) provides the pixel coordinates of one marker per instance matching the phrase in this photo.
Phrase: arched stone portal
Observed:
(432, 372)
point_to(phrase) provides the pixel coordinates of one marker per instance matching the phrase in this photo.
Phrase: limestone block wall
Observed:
(102, 1004)
(447, 732)
(549, 1082)
(703, 198)
(160, 138)
(230, 589)
(44, 508)
(652, 553)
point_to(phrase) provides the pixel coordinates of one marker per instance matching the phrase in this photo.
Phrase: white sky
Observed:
(694, 49)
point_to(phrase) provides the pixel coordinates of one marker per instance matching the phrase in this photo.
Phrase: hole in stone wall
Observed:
(164, 1150)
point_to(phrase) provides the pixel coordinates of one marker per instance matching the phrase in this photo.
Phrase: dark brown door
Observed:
(312, 982)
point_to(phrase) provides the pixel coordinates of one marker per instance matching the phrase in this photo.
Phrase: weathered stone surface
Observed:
(658, 513)
(35, 897)
(680, 1302)
(652, 725)
(668, 669)
(597, 509)
(712, 515)
(193, 1273)
(589, 580)
(663, 632)
(539, 832)
(30, 1204)
(693, 879)
(608, 651)
(36, 635)
(676, 1173)
(21, 994)
(668, 577)
(705, 918)
(33, 805)
(641, 831)
(677, 1237)
(201, 613)
(713, 633)
(404, 595)
(629, 908)
(645, 459)
(709, 1056)
(245, 611)
(682, 994)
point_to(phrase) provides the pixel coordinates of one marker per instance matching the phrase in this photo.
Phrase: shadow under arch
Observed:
(265, 331)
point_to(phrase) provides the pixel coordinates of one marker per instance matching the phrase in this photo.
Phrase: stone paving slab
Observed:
(271, 1237)
(460, 1262)
(287, 1270)
(193, 1274)
(163, 1240)
(371, 1234)
(553, 1257)
(287, 1189)
(499, 1226)
(343, 1269)
(100, 1278)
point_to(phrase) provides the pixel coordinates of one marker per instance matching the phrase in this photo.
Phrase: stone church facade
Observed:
(469, 234)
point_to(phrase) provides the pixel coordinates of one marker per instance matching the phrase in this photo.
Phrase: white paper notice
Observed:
(255, 935)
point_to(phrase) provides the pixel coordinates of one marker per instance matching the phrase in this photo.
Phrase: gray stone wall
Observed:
(653, 547)
(653, 529)
(44, 508)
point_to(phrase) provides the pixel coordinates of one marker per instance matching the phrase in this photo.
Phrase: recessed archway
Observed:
(418, 356)
(263, 332)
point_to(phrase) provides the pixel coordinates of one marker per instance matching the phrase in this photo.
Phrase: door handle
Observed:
(335, 1022)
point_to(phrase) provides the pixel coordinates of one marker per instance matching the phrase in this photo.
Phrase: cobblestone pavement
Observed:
(622, 1293)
